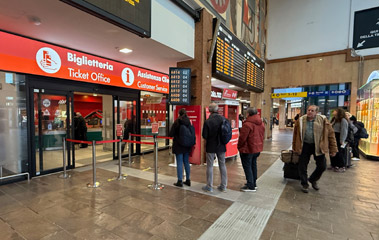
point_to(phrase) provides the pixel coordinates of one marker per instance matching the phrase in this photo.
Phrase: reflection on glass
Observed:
(153, 110)
(128, 121)
(13, 124)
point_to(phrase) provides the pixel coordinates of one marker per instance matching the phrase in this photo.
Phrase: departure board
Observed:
(234, 63)
(180, 86)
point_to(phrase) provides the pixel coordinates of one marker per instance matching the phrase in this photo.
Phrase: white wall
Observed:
(173, 27)
(358, 5)
(301, 27)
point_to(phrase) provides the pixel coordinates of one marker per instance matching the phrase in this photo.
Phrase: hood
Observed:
(255, 119)
(184, 120)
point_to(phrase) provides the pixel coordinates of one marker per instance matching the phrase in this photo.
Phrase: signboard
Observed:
(19, 54)
(234, 63)
(229, 94)
(154, 128)
(328, 93)
(216, 94)
(289, 95)
(180, 86)
(118, 130)
(366, 29)
(339, 92)
(194, 114)
(132, 15)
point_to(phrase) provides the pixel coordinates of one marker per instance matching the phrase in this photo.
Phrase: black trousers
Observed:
(339, 159)
(305, 156)
(354, 148)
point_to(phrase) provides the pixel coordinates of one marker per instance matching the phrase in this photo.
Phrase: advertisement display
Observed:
(194, 114)
(19, 54)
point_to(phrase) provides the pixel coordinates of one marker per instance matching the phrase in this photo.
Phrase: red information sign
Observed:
(154, 128)
(229, 94)
(19, 54)
(118, 130)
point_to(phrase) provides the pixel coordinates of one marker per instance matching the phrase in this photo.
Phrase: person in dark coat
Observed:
(181, 152)
(128, 128)
(211, 133)
(80, 129)
(250, 145)
(357, 136)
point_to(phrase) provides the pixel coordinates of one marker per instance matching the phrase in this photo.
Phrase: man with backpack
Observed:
(250, 145)
(361, 133)
(184, 139)
(217, 133)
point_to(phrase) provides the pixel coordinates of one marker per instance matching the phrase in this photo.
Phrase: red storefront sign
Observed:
(229, 94)
(194, 114)
(19, 54)
(216, 94)
(118, 130)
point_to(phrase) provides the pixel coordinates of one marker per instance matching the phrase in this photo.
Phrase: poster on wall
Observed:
(366, 29)
(194, 114)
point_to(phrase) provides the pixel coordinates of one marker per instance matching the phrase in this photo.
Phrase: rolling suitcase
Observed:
(347, 156)
(291, 170)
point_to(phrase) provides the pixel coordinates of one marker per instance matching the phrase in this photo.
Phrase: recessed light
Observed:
(95, 95)
(231, 86)
(126, 50)
(213, 79)
(320, 59)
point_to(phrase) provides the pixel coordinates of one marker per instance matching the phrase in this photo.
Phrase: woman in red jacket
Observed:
(250, 144)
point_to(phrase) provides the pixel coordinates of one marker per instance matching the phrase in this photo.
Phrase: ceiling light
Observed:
(231, 86)
(35, 20)
(95, 95)
(213, 79)
(126, 50)
(320, 59)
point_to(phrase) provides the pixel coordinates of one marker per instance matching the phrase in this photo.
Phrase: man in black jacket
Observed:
(211, 133)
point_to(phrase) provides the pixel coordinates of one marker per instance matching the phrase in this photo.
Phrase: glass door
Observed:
(51, 118)
(125, 112)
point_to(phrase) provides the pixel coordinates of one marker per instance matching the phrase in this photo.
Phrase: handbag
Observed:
(289, 156)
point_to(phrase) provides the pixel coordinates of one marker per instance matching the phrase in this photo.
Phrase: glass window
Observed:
(153, 110)
(13, 124)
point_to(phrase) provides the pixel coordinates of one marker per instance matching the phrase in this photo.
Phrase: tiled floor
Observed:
(346, 207)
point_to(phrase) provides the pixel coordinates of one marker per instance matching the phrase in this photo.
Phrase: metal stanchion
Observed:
(130, 150)
(95, 184)
(156, 185)
(120, 176)
(64, 175)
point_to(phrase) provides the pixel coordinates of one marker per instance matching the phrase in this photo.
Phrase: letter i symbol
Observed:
(127, 76)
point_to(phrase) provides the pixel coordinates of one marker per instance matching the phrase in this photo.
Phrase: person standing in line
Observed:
(181, 152)
(211, 133)
(313, 135)
(340, 125)
(357, 136)
(240, 121)
(250, 145)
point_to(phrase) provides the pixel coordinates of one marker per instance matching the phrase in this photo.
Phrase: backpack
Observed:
(225, 131)
(350, 135)
(187, 137)
(362, 132)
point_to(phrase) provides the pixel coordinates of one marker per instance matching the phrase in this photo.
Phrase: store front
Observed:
(49, 92)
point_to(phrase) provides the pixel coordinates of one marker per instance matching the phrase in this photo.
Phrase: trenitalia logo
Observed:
(48, 60)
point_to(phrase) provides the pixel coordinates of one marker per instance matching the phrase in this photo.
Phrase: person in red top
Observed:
(250, 144)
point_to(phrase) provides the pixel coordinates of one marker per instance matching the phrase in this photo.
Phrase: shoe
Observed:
(246, 189)
(207, 189)
(256, 188)
(179, 183)
(331, 168)
(355, 159)
(314, 185)
(188, 183)
(304, 189)
(340, 170)
(221, 189)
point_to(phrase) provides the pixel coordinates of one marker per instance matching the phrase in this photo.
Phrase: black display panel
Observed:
(234, 63)
(180, 86)
(366, 29)
(133, 15)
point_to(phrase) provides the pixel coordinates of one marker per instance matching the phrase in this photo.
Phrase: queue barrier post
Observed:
(64, 175)
(94, 184)
(120, 176)
(156, 185)
(130, 150)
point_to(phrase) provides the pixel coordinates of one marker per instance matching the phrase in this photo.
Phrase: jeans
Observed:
(307, 151)
(249, 163)
(180, 159)
(222, 167)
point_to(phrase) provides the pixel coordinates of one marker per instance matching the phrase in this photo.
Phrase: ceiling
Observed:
(59, 23)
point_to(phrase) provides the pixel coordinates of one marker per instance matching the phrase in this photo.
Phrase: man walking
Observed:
(313, 135)
(211, 133)
(250, 145)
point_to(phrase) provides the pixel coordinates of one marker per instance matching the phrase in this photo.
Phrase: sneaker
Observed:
(256, 188)
(221, 189)
(179, 183)
(331, 168)
(188, 183)
(304, 189)
(207, 189)
(314, 185)
(355, 159)
(340, 170)
(246, 189)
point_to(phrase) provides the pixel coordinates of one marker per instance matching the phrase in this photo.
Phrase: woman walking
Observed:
(340, 125)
